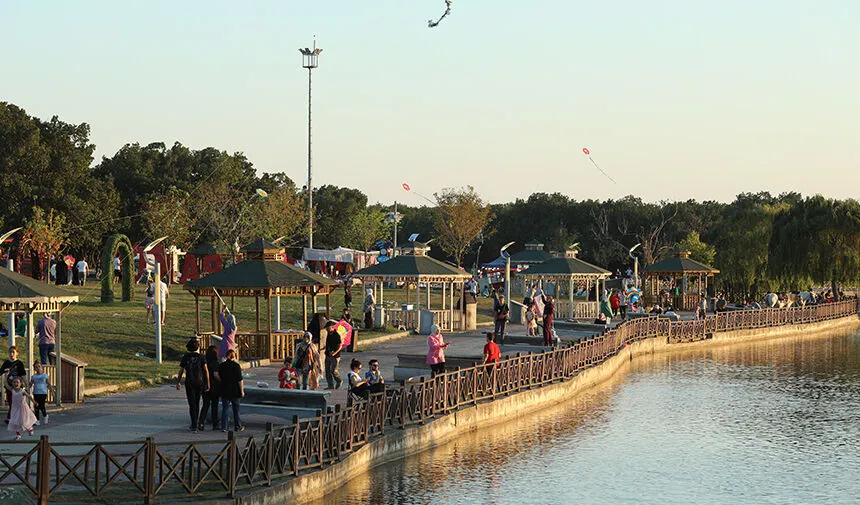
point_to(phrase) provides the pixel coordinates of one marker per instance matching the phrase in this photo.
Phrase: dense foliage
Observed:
(759, 241)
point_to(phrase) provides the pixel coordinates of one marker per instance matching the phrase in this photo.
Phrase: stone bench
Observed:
(294, 398)
(585, 327)
(415, 365)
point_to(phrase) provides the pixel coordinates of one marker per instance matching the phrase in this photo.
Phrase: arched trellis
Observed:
(118, 243)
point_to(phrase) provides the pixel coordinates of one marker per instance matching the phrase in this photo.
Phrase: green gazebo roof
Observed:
(565, 267)
(260, 274)
(530, 257)
(412, 267)
(18, 291)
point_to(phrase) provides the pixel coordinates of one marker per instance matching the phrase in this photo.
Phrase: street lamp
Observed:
(309, 61)
(635, 265)
(507, 272)
(394, 217)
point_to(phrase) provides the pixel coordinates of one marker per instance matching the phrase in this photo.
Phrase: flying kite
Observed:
(262, 192)
(433, 24)
(587, 153)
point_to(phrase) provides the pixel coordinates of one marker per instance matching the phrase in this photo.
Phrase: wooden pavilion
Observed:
(19, 293)
(413, 266)
(568, 270)
(262, 275)
(677, 280)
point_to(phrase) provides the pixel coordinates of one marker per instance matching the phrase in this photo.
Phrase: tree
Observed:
(698, 250)
(169, 215)
(819, 238)
(366, 227)
(43, 236)
(460, 217)
(333, 208)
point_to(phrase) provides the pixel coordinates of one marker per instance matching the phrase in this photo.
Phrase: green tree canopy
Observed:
(461, 216)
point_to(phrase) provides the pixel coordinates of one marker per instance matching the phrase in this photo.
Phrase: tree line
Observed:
(66, 202)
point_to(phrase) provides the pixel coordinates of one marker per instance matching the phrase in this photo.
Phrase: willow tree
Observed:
(460, 218)
(817, 238)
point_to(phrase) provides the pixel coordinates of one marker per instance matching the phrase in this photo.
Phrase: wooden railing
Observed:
(580, 310)
(123, 471)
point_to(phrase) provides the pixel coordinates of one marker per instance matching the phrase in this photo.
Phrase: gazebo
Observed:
(413, 266)
(19, 293)
(262, 275)
(566, 268)
(533, 254)
(678, 280)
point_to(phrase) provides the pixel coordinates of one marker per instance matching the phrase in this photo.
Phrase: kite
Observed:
(262, 192)
(407, 188)
(433, 24)
(586, 152)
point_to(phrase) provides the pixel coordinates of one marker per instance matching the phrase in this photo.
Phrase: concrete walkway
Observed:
(162, 412)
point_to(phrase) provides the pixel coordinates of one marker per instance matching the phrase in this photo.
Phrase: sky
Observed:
(675, 99)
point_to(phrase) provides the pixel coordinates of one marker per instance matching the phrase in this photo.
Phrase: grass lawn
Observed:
(108, 336)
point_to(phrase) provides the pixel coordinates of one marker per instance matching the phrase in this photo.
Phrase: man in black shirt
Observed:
(333, 348)
(229, 375)
(15, 368)
(197, 380)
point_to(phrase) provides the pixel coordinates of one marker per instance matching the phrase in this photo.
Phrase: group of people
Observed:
(211, 377)
(541, 306)
(436, 347)
(21, 416)
(149, 300)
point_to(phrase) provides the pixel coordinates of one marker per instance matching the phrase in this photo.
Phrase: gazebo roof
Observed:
(18, 292)
(260, 245)
(530, 256)
(248, 278)
(209, 248)
(565, 267)
(412, 267)
(680, 263)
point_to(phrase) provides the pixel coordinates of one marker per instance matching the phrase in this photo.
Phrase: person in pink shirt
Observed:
(436, 350)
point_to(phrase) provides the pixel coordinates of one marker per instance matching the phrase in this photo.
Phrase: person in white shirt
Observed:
(83, 269)
(117, 270)
(165, 294)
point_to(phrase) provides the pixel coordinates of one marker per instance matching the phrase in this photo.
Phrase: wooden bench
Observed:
(295, 398)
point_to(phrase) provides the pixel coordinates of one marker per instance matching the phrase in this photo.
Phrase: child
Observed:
(39, 386)
(288, 376)
(21, 416)
(531, 321)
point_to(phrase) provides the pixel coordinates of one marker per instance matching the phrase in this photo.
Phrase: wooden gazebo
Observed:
(262, 275)
(677, 280)
(567, 269)
(413, 266)
(19, 293)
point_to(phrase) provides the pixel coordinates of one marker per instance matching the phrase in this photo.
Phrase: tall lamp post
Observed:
(635, 265)
(309, 61)
(507, 272)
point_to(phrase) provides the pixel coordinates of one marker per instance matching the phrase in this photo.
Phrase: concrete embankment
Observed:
(398, 444)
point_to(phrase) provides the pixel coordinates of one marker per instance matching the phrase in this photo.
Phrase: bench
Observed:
(413, 365)
(297, 398)
(586, 327)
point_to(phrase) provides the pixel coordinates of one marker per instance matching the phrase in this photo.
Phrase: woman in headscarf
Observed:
(228, 337)
(436, 346)
(369, 305)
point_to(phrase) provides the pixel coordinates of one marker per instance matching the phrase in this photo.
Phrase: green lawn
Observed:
(109, 336)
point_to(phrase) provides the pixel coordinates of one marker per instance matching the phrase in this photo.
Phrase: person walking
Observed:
(193, 365)
(149, 302)
(232, 388)
(46, 329)
(39, 386)
(502, 313)
(21, 417)
(83, 269)
(117, 270)
(333, 349)
(614, 303)
(306, 361)
(164, 294)
(622, 304)
(548, 313)
(210, 398)
(436, 346)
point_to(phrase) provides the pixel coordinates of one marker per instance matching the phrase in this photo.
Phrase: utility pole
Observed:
(309, 61)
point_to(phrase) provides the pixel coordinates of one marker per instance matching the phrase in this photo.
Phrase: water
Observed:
(769, 423)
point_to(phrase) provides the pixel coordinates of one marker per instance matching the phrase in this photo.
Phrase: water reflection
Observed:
(768, 422)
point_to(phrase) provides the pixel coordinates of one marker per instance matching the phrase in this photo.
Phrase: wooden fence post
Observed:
(297, 439)
(232, 464)
(43, 483)
(149, 456)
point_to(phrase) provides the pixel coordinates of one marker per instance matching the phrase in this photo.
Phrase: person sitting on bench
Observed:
(373, 377)
(357, 386)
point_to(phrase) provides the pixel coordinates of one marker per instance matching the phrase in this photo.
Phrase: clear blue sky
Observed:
(676, 99)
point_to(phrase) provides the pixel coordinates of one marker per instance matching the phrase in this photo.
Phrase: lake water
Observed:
(774, 422)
